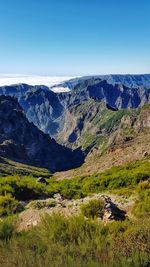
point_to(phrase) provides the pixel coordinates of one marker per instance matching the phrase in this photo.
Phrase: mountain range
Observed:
(97, 112)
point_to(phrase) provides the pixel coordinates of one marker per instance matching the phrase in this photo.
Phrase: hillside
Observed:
(87, 218)
(111, 138)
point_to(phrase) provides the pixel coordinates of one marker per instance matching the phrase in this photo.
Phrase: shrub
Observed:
(8, 205)
(6, 228)
(51, 203)
(40, 204)
(142, 205)
(76, 241)
(94, 208)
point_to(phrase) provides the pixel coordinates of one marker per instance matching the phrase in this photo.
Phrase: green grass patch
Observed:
(76, 241)
(117, 179)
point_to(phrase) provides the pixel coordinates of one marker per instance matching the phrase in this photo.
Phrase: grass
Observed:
(76, 241)
(142, 205)
(9, 167)
(118, 179)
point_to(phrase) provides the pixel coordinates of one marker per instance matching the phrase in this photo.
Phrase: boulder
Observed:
(41, 180)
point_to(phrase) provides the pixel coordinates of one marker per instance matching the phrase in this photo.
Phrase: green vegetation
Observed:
(59, 241)
(111, 119)
(142, 205)
(117, 179)
(87, 139)
(98, 122)
(26, 188)
(9, 167)
(8, 205)
(7, 227)
(40, 204)
(77, 241)
(94, 208)
(22, 188)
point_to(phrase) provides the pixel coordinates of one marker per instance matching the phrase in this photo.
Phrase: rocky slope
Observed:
(123, 138)
(95, 124)
(24, 142)
(115, 209)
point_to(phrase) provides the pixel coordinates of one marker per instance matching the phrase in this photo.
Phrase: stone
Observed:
(145, 154)
(41, 180)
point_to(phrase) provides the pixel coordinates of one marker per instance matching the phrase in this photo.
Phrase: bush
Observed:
(22, 188)
(8, 205)
(94, 208)
(75, 241)
(142, 205)
(40, 204)
(6, 228)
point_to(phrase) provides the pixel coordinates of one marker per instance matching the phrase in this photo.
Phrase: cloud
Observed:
(9, 79)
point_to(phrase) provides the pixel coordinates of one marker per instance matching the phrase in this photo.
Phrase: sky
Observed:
(74, 37)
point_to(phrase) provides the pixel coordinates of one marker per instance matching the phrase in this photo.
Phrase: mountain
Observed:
(109, 138)
(115, 95)
(129, 80)
(22, 141)
(53, 112)
(92, 124)
(41, 105)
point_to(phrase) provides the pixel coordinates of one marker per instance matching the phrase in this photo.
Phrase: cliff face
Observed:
(42, 106)
(115, 95)
(23, 141)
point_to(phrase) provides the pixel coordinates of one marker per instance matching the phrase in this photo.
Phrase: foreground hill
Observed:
(83, 221)
(24, 142)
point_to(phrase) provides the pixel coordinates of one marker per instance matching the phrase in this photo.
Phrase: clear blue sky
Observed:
(74, 37)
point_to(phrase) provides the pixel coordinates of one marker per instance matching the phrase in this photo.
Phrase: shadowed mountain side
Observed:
(22, 141)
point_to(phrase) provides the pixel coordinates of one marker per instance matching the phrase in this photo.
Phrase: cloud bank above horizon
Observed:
(50, 81)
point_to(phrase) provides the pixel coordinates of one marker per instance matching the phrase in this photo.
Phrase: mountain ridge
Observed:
(51, 111)
(84, 116)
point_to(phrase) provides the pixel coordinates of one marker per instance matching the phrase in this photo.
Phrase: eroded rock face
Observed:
(143, 120)
(41, 105)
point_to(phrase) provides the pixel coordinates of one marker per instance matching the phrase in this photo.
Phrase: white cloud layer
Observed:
(9, 79)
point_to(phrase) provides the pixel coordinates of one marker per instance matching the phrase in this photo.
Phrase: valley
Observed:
(75, 173)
